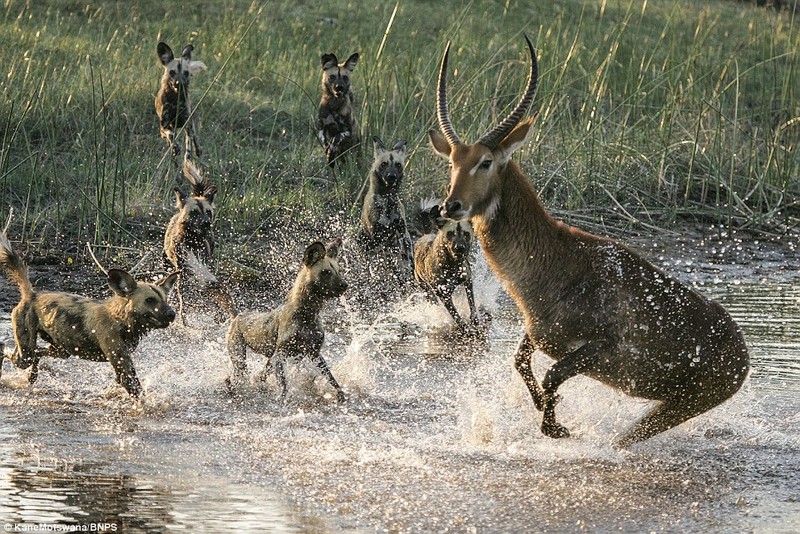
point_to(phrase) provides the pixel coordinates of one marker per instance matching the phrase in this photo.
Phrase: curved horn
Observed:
(499, 132)
(441, 103)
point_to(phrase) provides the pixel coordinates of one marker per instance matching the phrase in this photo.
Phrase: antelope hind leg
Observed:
(665, 415)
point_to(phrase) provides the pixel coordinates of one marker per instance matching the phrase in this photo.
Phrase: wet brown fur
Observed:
(189, 244)
(590, 303)
(292, 331)
(336, 125)
(173, 104)
(73, 325)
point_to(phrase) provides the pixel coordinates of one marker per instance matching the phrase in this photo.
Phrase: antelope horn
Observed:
(500, 131)
(441, 103)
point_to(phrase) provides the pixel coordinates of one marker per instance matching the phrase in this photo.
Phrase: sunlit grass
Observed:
(657, 110)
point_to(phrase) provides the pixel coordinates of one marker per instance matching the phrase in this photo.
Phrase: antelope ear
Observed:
(164, 53)
(351, 62)
(328, 61)
(121, 282)
(313, 254)
(187, 51)
(513, 140)
(168, 282)
(439, 143)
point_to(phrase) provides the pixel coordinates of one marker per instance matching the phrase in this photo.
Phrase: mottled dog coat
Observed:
(336, 126)
(292, 331)
(383, 218)
(441, 262)
(189, 244)
(96, 330)
(173, 106)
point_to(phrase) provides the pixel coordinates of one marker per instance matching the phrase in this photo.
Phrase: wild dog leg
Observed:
(326, 372)
(125, 372)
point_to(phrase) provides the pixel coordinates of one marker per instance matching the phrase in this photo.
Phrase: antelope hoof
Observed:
(551, 429)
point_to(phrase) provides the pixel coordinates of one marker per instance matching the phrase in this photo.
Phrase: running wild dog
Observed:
(383, 217)
(189, 243)
(441, 263)
(593, 305)
(173, 106)
(97, 330)
(336, 126)
(292, 331)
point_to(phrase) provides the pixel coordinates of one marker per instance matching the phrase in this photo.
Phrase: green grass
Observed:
(656, 110)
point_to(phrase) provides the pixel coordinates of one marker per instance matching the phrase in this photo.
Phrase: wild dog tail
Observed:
(199, 184)
(421, 221)
(16, 270)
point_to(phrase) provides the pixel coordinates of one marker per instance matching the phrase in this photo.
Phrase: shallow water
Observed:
(429, 440)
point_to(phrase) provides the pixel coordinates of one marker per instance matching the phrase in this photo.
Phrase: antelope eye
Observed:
(485, 164)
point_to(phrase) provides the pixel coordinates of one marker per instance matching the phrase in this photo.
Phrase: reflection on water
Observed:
(431, 439)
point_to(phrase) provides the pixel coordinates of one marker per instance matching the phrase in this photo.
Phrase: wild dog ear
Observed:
(400, 146)
(180, 198)
(187, 52)
(377, 145)
(168, 282)
(514, 140)
(313, 254)
(351, 62)
(328, 61)
(164, 53)
(121, 282)
(209, 193)
(333, 248)
(439, 143)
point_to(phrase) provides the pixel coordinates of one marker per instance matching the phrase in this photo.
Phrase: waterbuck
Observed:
(593, 305)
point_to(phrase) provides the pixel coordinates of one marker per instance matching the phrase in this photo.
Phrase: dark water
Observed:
(431, 439)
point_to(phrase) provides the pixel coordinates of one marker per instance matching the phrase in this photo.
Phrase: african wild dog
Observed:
(172, 101)
(383, 218)
(441, 262)
(336, 126)
(292, 331)
(189, 243)
(97, 330)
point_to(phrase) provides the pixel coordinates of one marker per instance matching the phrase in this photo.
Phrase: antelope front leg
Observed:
(574, 363)
(522, 362)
